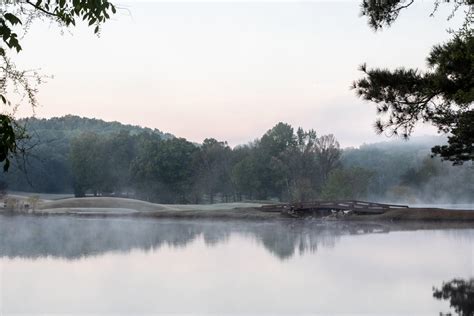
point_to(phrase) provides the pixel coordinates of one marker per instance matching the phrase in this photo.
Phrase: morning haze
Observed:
(232, 157)
(228, 70)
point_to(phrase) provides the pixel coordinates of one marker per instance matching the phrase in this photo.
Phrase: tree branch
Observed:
(403, 6)
(41, 8)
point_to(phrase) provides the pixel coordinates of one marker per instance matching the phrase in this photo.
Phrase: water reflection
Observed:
(460, 294)
(73, 237)
(142, 266)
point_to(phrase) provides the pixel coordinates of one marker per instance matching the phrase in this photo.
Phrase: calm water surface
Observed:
(77, 265)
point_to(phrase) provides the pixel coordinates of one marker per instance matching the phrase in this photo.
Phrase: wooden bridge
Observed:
(327, 207)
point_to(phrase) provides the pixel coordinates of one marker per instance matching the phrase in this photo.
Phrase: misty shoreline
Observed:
(122, 207)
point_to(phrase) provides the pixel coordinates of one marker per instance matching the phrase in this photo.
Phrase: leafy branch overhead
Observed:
(383, 13)
(437, 95)
(443, 95)
(65, 12)
(15, 18)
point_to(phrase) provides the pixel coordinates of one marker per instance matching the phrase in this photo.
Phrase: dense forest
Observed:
(92, 157)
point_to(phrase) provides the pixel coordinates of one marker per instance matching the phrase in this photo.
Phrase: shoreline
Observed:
(420, 214)
(428, 215)
(113, 207)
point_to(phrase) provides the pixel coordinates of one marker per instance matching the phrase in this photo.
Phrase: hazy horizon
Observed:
(227, 70)
(428, 140)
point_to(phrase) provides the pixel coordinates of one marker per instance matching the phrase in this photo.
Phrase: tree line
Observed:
(284, 164)
(92, 157)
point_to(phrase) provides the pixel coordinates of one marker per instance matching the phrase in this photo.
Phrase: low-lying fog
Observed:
(150, 266)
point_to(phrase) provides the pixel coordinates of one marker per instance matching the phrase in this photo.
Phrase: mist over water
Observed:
(36, 237)
(105, 265)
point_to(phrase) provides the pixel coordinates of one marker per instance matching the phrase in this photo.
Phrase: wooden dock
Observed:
(328, 207)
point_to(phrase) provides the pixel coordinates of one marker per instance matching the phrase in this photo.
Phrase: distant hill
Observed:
(71, 125)
(48, 159)
(416, 142)
(390, 159)
(49, 165)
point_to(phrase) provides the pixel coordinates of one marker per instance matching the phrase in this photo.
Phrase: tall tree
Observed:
(304, 176)
(88, 164)
(144, 176)
(119, 151)
(168, 166)
(245, 177)
(329, 153)
(443, 95)
(270, 160)
(213, 169)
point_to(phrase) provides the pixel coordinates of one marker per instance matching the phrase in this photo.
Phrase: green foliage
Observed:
(166, 168)
(305, 166)
(65, 12)
(271, 160)
(282, 165)
(246, 178)
(102, 164)
(212, 165)
(439, 96)
(9, 135)
(88, 162)
(349, 183)
(328, 153)
(287, 165)
(9, 38)
(47, 165)
(278, 139)
(460, 146)
(172, 161)
(380, 13)
(93, 157)
(442, 96)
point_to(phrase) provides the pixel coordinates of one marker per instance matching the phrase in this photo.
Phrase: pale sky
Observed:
(228, 70)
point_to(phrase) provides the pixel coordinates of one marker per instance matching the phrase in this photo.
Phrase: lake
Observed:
(81, 265)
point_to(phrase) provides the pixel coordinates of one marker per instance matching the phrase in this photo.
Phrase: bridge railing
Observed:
(334, 205)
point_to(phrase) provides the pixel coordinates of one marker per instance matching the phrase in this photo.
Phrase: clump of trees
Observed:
(283, 165)
(286, 164)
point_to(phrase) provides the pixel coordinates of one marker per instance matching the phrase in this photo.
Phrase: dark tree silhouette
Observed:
(460, 294)
(461, 143)
(443, 95)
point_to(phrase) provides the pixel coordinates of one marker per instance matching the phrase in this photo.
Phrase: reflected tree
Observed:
(73, 238)
(460, 294)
